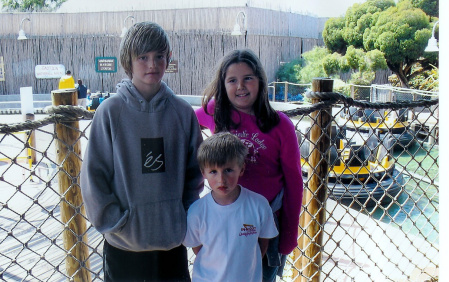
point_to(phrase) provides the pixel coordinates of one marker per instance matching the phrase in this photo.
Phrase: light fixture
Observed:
(125, 29)
(22, 35)
(237, 27)
(432, 45)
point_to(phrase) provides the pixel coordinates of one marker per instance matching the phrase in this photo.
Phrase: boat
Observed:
(361, 171)
(391, 123)
(95, 100)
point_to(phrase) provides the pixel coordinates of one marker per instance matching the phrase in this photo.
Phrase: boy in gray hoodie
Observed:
(140, 173)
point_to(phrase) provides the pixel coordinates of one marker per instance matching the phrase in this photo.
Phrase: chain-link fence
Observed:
(370, 209)
(287, 91)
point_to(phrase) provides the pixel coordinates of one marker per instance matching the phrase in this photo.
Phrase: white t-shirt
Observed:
(229, 235)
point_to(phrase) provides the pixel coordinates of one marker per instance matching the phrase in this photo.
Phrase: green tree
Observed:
(430, 7)
(333, 34)
(379, 33)
(31, 5)
(289, 71)
(313, 66)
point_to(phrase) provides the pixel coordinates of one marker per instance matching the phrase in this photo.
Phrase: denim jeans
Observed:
(121, 265)
(269, 272)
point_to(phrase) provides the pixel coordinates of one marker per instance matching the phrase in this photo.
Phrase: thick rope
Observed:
(331, 98)
(60, 114)
(57, 114)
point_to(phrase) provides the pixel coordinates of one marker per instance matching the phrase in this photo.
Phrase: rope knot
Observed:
(69, 113)
(334, 96)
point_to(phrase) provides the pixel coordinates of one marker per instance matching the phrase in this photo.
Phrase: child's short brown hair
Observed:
(142, 38)
(220, 149)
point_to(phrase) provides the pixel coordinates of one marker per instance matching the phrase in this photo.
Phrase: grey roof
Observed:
(320, 8)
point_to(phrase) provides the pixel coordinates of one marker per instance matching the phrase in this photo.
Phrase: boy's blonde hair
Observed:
(142, 38)
(221, 148)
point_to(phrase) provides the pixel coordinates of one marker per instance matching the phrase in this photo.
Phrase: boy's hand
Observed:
(196, 250)
(263, 244)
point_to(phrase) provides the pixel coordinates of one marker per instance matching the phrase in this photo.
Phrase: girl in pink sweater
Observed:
(237, 101)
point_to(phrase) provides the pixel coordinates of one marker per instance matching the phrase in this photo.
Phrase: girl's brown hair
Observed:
(266, 116)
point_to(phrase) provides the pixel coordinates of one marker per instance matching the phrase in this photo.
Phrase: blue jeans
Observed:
(269, 272)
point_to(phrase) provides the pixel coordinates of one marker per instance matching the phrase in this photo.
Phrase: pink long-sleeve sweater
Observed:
(273, 163)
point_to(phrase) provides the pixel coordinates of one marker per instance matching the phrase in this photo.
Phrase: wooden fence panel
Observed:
(200, 37)
(196, 53)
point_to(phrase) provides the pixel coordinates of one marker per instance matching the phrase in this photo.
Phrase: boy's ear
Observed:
(242, 170)
(169, 59)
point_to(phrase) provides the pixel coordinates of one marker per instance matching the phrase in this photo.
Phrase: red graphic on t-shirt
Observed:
(247, 230)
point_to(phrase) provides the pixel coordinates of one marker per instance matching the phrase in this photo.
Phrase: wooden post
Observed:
(68, 148)
(31, 142)
(316, 194)
(298, 252)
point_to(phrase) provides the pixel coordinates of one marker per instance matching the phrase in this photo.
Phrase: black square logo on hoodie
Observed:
(153, 157)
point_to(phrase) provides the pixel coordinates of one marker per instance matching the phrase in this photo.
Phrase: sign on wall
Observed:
(49, 71)
(106, 64)
(2, 69)
(172, 67)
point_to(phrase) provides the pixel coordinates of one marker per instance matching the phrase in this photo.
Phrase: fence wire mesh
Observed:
(380, 206)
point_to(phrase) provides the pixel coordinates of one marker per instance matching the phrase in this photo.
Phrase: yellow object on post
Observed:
(66, 82)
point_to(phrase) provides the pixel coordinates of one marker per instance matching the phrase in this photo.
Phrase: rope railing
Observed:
(71, 113)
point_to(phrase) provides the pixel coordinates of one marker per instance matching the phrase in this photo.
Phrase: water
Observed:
(416, 210)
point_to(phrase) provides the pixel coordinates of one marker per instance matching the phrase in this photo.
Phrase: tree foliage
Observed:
(313, 66)
(289, 71)
(379, 33)
(333, 34)
(31, 5)
(430, 7)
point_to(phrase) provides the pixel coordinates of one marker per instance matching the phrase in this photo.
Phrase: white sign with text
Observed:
(49, 71)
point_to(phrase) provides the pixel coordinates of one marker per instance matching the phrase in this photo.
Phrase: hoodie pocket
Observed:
(153, 226)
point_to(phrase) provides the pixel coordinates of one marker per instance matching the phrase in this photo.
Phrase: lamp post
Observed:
(432, 45)
(237, 27)
(125, 29)
(22, 35)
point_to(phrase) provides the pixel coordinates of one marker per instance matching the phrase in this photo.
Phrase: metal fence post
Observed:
(68, 151)
(274, 92)
(316, 193)
(31, 142)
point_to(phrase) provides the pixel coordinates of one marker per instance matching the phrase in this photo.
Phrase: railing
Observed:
(292, 92)
(370, 210)
(287, 91)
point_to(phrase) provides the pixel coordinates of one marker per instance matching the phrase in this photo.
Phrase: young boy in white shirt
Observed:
(228, 228)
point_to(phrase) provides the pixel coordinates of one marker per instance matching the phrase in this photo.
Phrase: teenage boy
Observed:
(140, 173)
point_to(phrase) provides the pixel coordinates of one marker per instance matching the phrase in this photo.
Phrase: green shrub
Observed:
(289, 71)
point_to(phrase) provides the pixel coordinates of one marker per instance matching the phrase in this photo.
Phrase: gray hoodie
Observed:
(140, 172)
